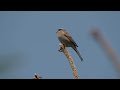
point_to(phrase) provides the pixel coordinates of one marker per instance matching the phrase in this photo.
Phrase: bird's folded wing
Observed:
(70, 38)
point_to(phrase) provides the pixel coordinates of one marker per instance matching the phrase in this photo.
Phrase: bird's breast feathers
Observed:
(64, 40)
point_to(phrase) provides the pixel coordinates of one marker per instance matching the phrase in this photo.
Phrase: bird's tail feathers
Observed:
(78, 53)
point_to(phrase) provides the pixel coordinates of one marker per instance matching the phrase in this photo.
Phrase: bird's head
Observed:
(60, 29)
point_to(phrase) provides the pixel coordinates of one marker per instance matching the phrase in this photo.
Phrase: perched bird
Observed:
(66, 39)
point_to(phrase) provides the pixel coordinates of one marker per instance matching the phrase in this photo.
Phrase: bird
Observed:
(66, 39)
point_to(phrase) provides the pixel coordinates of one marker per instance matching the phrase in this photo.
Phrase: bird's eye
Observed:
(59, 29)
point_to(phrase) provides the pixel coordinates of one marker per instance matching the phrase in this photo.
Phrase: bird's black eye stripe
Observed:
(59, 29)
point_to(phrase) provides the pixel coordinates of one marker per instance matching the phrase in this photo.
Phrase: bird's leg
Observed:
(62, 47)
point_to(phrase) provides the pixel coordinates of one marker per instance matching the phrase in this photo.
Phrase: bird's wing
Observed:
(70, 38)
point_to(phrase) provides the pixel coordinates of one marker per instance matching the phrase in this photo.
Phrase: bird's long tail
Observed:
(78, 53)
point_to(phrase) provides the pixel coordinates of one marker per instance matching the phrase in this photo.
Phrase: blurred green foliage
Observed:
(9, 61)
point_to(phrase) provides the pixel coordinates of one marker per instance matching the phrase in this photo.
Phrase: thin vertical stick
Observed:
(70, 59)
(107, 48)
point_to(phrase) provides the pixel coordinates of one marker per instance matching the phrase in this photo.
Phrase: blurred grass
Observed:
(97, 34)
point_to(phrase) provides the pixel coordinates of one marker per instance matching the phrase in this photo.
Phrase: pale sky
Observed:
(30, 38)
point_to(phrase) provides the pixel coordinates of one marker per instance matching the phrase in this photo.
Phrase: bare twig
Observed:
(71, 61)
(107, 48)
(37, 76)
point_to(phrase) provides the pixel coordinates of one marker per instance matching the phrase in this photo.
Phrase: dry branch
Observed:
(70, 59)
